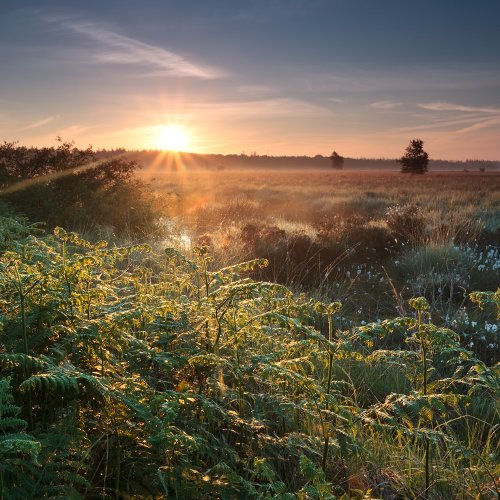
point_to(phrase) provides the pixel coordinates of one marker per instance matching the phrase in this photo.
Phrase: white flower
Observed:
(473, 324)
(363, 323)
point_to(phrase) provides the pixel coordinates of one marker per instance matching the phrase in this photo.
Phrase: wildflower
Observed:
(363, 322)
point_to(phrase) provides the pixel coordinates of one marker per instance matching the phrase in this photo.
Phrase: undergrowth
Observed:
(126, 373)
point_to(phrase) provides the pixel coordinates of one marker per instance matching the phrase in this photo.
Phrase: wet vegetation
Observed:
(292, 334)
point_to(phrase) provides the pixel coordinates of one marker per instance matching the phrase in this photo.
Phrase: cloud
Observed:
(268, 108)
(118, 49)
(40, 123)
(347, 78)
(385, 105)
(490, 122)
(452, 119)
(447, 106)
(70, 132)
(255, 90)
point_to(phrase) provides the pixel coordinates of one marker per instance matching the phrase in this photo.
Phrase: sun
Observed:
(172, 138)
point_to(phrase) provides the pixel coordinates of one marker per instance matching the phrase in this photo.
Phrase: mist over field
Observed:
(249, 250)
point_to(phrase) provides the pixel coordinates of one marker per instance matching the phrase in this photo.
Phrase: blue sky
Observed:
(294, 77)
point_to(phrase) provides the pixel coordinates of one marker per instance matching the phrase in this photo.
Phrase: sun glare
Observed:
(172, 138)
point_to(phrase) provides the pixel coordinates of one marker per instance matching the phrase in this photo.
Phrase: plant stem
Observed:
(328, 386)
(24, 327)
(424, 368)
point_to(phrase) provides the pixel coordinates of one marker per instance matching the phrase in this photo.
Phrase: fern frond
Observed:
(56, 383)
(32, 363)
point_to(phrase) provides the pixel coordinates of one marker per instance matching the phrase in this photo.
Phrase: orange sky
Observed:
(296, 77)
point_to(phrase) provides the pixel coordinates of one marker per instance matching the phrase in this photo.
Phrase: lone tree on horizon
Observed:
(415, 160)
(337, 161)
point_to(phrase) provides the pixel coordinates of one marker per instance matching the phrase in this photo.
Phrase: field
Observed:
(304, 197)
(292, 334)
(354, 236)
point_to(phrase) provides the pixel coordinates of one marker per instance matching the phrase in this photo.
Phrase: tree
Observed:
(337, 161)
(415, 160)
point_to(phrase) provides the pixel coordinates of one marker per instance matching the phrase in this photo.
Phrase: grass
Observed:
(454, 204)
(316, 226)
(179, 376)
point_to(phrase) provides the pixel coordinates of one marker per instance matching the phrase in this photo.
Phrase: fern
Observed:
(18, 450)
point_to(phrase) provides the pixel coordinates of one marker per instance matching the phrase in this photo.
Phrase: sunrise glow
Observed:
(172, 138)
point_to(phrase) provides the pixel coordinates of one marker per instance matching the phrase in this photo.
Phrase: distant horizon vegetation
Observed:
(252, 159)
(175, 158)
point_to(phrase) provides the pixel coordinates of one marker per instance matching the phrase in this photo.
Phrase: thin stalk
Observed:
(328, 386)
(24, 328)
(424, 368)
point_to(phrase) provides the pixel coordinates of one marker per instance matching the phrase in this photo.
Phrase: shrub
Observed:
(440, 273)
(68, 186)
(406, 222)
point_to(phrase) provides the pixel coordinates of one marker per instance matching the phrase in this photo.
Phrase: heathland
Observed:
(246, 332)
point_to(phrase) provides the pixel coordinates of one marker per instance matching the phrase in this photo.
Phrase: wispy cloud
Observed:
(233, 110)
(452, 118)
(114, 48)
(385, 105)
(72, 131)
(255, 90)
(270, 108)
(448, 106)
(482, 124)
(40, 123)
(347, 78)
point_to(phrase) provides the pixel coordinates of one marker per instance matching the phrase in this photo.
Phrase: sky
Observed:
(277, 77)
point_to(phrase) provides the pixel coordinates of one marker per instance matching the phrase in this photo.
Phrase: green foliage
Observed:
(484, 298)
(18, 450)
(142, 375)
(68, 186)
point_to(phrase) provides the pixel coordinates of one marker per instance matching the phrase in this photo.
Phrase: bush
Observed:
(440, 273)
(406, 222)
(68, 186)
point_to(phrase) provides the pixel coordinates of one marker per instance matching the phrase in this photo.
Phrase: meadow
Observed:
(283, 334)
(370, 239)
